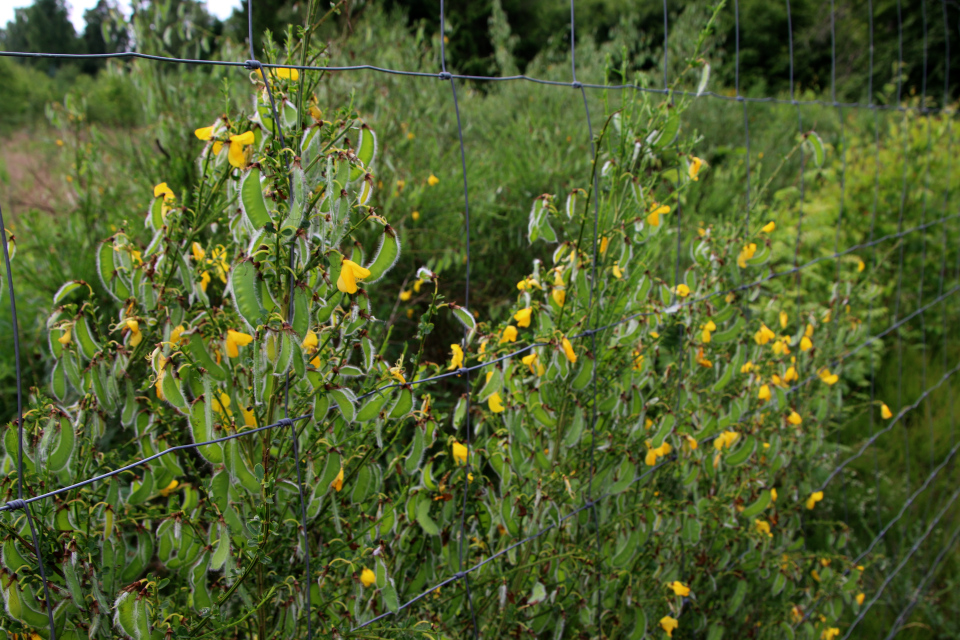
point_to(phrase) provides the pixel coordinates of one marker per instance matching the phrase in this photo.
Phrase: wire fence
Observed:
(945, 273)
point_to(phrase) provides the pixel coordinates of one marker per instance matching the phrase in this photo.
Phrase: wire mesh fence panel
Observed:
(671, 424)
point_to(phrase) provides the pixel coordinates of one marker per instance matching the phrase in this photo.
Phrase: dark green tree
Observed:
(44, 26)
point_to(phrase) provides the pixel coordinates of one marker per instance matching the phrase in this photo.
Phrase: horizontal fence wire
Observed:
(589, 501)
(446, 75)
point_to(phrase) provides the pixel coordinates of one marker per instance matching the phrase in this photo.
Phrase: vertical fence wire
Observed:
(20, 443)
(466, 332)
(905, 132)
(591, 313)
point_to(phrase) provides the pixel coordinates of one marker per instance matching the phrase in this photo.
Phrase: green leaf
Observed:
(757, 506)
(423, 517)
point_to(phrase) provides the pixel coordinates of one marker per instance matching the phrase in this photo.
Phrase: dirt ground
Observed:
(32, 174)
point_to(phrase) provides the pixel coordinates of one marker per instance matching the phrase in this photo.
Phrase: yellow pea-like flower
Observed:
(669, 625)
(794, 418)
(523, 317)
(495, 403)
(559, 296)
(769, 227)
(604, 243)
(287, 74)
(679, 588)
(683, 290)
(885, 412)
(509, 335)
(568, 350)
(237, 145)
(814, 498)
(764, 393)
(459, 453)
(784, 319)
(169, 488)
(617, 272)
(367, 577)
(65, 335)
(694, 169)
(311, 342)
(338, 481)
(433, 180)
(763, 527)
(135, 335)
(350, 272)
(236, 339)
(405, 295)
(860, 598)
(456, 361)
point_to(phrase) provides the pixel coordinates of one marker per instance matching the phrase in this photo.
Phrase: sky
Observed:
(220, 8)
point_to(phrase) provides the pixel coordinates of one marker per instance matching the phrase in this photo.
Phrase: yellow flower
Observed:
(885, 412)
(237, 145)
(495, 403)
(827, 377)
(747, 368)
(204, 133)
(790, 375)
(350, 272)
(287, 74)
(694, 168)
(830, 634)
(794, 418)
(135, 335)
(604, 243)
(406, 295)
(668, 624)
(773, 494)
(559, 296)
(805, 344)
(725, 440)
(746, 253)
(237, 339)
(679, 588)
(657, 210)
(509, 335)
(338, 481)
(197, 251)
(457, 360)
(707, 329)
(683, 290)
(459, 453)
(530, 361)
(568, 351)
(860, 265)
(367, 577)
(59, 142)
(311, 342)
(523, 317)
(764, 335)
(814, 498)
(764, 394)
(651, 458)
(781, 346)
(617, 272)
(175, 335)
(204, 280)
(860, 598)
(763, 527)
(163, 190)
(784, 319)
(397, 373)
(415, 215)
(433, 180)
(701, 360)
(769, 227)
(64, 338)
(169, 488)
(417, 284)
